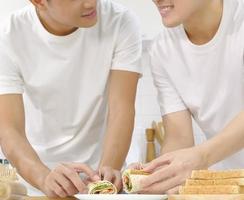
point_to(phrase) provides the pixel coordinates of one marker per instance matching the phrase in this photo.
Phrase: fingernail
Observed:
(143, 166)
(96, 177)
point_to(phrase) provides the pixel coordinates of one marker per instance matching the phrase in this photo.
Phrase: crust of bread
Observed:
(232, 181)
(212, 189)
(207, 174)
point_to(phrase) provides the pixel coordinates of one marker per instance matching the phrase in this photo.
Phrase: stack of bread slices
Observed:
(213, 185)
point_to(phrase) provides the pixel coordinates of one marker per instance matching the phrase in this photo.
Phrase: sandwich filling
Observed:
(102, 187)
(131, 180)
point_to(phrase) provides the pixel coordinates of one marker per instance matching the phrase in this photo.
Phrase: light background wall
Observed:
(147, 108)
(7, 6)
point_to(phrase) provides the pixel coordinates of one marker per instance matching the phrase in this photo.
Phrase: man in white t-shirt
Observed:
(68, 78)
(198, 68)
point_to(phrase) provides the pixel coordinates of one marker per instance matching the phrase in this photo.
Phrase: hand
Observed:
(170, 170)
(112, 175)
(136, 166)
(65, 181)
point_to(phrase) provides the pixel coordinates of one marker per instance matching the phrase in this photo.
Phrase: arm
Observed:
(177, 125)
(177, 166)
(124, 76)
(62, 181)
(14, 142)
(230, 139)
(122, 92)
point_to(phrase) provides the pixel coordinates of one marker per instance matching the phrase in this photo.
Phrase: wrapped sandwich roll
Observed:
(131, 180)
(102, 187)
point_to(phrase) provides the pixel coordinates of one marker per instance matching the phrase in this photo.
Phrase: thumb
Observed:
(157, 163)
(83, 168)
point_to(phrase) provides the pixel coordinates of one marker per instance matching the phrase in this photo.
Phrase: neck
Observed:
(202, 27)
(53, 26)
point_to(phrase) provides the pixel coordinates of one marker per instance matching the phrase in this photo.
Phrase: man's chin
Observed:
(88, 24)
(170, 24)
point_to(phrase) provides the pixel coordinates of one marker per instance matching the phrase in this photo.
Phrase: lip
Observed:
(165, 10)
(90, 15)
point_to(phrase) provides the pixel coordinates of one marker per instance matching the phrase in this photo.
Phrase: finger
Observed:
(86, 181)
(106, 173)
(80, 167)
(66, 184)
(159, 176)
(73, 176)
(163, 187)
(159, 162)
(85, 191)
(137, 166)
(118, 180)
(174, 190)
(51, 194)
(59, 191)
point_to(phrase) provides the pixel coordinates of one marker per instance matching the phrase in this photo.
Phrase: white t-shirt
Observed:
(207, 79)
(64, 79)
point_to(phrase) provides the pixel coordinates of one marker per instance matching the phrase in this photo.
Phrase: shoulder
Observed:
(113, 13)
(15, 25)
(238, 14)
(236, 23)
(164, 41)
(111, 6)
(239, 5)
(156, 50)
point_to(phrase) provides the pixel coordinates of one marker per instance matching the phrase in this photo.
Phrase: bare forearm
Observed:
(117, 139)
(226, 143)
(178, 132)
(175, 142)
(22, 156)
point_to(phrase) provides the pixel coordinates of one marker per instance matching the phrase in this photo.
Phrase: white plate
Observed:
(121, 197)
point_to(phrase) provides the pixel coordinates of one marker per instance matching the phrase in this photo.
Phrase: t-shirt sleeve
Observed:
(169, 99)
(128, 47)
(11, 81)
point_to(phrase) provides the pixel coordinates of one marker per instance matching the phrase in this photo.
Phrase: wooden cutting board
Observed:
(207, 197)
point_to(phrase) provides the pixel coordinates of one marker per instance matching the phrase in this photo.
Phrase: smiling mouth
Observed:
(90, 14)
(165, 10)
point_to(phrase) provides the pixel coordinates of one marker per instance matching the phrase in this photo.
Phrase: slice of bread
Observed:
(232, 181)
(227, 174)
(8, 174)
(212, 189)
